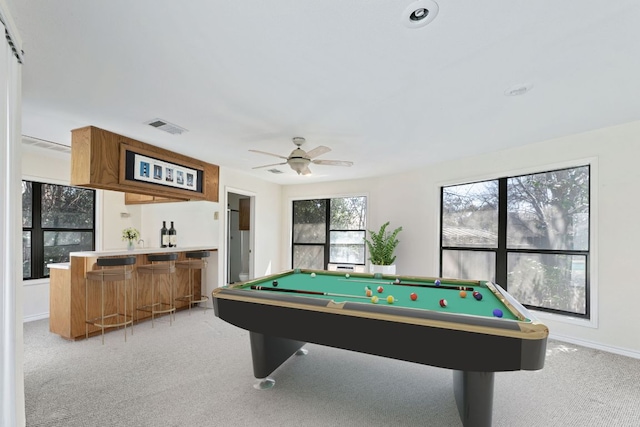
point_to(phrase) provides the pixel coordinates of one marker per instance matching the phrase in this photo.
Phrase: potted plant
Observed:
(381, 246)
(130, 235)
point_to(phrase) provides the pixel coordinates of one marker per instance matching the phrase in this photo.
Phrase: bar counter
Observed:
(67, 308)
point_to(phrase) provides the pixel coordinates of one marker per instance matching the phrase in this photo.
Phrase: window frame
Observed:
(328, 230)
(589, 318)
(38, 231)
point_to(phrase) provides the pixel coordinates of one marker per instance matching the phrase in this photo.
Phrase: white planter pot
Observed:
(383, 269)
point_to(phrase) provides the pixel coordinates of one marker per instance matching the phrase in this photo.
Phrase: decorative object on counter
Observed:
(164, 235)
(130, 235)
(173, 236)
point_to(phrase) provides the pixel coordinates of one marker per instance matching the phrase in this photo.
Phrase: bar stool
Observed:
(196, 261)
(108, 273)
(161, 302)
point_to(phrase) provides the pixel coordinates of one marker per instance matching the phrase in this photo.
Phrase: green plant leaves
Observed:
(381, 245)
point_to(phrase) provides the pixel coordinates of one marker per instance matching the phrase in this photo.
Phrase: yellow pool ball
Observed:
(391, 299)
(374, 299)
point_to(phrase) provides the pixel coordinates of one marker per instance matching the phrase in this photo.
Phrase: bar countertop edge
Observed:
(142, 251)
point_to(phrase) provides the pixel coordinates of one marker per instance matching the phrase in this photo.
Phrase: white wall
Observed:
(412, 200)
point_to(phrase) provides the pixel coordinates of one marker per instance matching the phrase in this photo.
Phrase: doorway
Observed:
(239, 237)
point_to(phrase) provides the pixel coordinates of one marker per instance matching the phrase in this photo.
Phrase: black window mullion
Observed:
(327, 237)
(37, 235)
(501, 252)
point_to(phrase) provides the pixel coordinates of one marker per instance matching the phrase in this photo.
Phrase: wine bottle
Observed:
(164, 235)
(173, 237)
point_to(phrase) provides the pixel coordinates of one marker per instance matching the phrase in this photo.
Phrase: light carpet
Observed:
(198, 372)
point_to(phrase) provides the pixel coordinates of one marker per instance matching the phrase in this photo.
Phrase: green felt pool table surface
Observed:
(341, 288)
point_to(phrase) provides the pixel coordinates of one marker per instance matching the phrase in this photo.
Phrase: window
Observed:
(328, 231)
(528, 233)
(56, 220)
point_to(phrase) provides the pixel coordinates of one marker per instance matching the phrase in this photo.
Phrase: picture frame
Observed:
(147, 169)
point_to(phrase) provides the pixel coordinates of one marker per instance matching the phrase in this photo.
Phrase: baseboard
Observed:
(35, 317)
(597, 346)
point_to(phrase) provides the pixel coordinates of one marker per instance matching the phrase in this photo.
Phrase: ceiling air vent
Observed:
(47, 145)
(166, 126)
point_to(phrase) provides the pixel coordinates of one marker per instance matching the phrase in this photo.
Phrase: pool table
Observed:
(467, 334)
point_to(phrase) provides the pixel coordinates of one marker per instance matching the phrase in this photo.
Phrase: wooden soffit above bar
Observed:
(108, 161)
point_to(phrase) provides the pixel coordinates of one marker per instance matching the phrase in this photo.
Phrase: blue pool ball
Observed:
(477, 295)
(437, 282)
(497, 312)
(275, 283)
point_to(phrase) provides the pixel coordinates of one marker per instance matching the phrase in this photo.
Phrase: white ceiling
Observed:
(350, 75)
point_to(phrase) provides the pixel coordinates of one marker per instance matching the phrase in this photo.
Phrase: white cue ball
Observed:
(313, 274)
(346, 275)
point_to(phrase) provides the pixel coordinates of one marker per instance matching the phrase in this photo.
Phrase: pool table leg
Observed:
(474, 397)
(269, 352)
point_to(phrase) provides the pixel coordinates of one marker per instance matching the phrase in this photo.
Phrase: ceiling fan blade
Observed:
(268, 154)
(266, 166)
(318, 151)
(305, 171)
(332, 162)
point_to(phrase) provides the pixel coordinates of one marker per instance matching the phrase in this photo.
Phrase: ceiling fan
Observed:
(299, 159)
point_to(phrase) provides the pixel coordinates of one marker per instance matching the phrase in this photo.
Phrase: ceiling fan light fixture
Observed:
(299, 164)
(420, 13)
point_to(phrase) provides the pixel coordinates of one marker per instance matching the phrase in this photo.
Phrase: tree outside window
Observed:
(56, 220)
(328, 231)
(529, 233)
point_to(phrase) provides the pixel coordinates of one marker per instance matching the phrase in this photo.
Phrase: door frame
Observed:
(252, 222)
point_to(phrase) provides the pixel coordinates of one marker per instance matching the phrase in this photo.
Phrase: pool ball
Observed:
(397, 281)
(443, 303)
(437, 282)
(313, 274)
(391, 299)
(463, 294)
(374, 299)
(368, 292)
(497, 312)
(477, 296)
(380, 289)
(475, 293)
(413, 296)
(275, 283)
(346, 275)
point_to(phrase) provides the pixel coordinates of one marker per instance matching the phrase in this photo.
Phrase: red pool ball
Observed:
(413, 296)
(380, 289)
(443, 303)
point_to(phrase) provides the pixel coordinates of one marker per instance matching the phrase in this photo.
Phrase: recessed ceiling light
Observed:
(420, 13)
(519, 89)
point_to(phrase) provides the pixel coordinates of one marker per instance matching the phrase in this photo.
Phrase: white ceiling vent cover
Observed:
(166, 126)
(48, 145)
